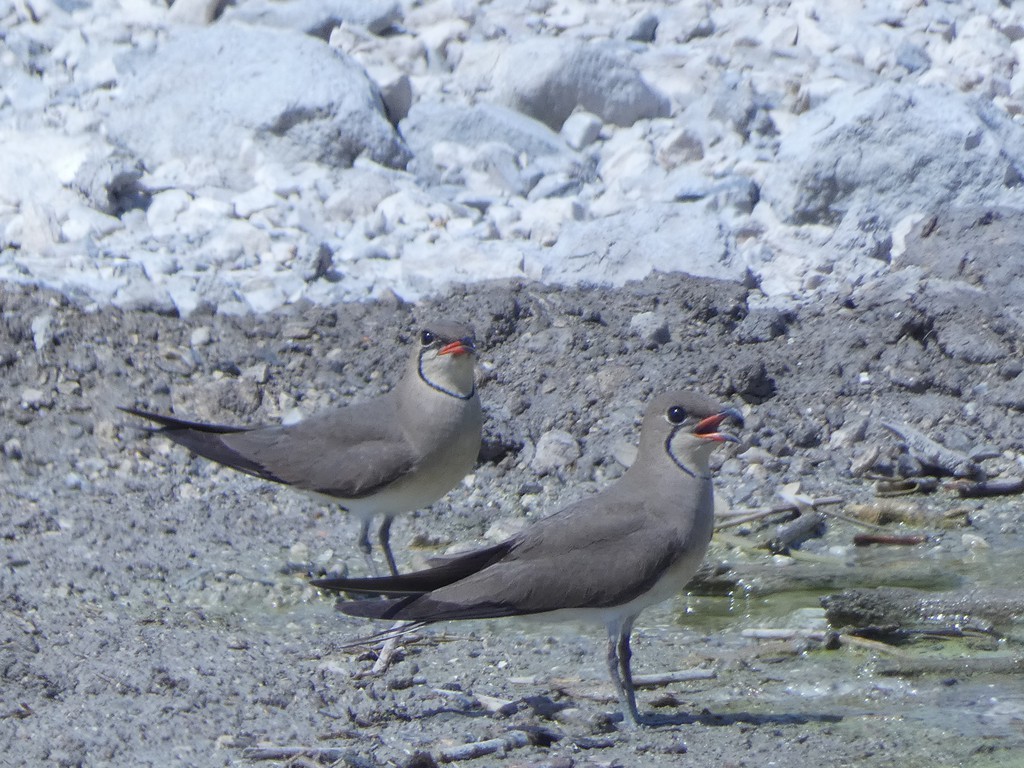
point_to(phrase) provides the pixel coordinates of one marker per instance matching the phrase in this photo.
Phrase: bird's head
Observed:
(685, 426)
(444, 357)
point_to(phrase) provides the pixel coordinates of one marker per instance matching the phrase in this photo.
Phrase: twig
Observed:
(854, 521)
(742, 516)
(933, 454)
(511, 740)
(322, 754)
(817, 635)
(960, 667)
(908, 540)
(997, 487)
(678, 676)
(388, 650)
(791, 534)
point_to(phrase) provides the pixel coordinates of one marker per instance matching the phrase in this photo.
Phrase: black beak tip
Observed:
(735, 415)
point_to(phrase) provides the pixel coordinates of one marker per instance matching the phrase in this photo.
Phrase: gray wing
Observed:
(348, 453)
(576, 559)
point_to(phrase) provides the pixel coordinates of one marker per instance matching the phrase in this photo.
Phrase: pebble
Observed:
(201, 336)
(555, 449)
(35, 399)
(581, 129)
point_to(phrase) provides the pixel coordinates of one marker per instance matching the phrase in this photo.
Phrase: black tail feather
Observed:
(170, 423)
(453, 569)
(205, 440)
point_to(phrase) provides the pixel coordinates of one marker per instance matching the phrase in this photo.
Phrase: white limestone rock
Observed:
(288, 94)
(885, 149)
(548, 79)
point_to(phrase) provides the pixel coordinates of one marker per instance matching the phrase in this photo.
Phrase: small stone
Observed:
(555, 449)
(681, 146)
(201, 336)
(35, 399)
(643, 28)
(12, 449)
(503, 529)
(974, 541)
(297, 330)
(581, 129)
(166, 207)
(650, 327)
(42, 336)
(254, 200)
(1011, 369)
(257, 372)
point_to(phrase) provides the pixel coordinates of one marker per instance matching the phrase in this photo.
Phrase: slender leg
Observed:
(384, 536)
(619, 654)
(367, 547)
(393, 643)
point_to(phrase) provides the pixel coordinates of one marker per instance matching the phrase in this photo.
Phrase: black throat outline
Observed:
(677, 461)
(438, 387)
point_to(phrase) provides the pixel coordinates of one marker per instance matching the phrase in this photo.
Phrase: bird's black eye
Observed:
(676, 414)
(427, 338)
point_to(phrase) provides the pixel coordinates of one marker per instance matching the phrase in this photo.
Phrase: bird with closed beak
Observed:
(603, 559)
(381, 457)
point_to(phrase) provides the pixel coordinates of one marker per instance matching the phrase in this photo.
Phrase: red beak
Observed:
(708, 427)
(457, 347)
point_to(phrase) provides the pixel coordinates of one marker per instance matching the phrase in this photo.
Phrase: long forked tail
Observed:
(451, 569)
(170, 423)
(205, 440)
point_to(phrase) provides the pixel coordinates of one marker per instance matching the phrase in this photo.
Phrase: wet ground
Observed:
(155, 607)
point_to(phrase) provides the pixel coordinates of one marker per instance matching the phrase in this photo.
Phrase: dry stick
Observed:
(511, 740)
(771, 633)
(998, 487)
(959, 667)
(667, 678)
(794, 532)
(907, 540)
(750, 515)
(324, 754)
(387, 651)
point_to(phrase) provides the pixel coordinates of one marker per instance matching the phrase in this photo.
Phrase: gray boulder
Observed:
(204, 94)
(318, 17)
(548, 79)
(431, 122)
(881, 150)
(663, 237)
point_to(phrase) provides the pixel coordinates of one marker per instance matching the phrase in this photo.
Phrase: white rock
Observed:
(628, 246)
(317, 17)
(35, 399)
(42, 333)
(651, 327)
(548, 79)
(166, 206)
(303, 102)
(862, 150)
(258, 198)
(555, 449)
(201, 336)
(581, 129)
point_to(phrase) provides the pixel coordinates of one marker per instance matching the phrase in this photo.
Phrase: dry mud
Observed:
(155, 609)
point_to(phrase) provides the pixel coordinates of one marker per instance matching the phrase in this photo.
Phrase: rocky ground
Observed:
(155, 607)
(240, 211)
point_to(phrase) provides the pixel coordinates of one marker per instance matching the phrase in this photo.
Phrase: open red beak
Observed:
(457, 347)
(708, 427)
